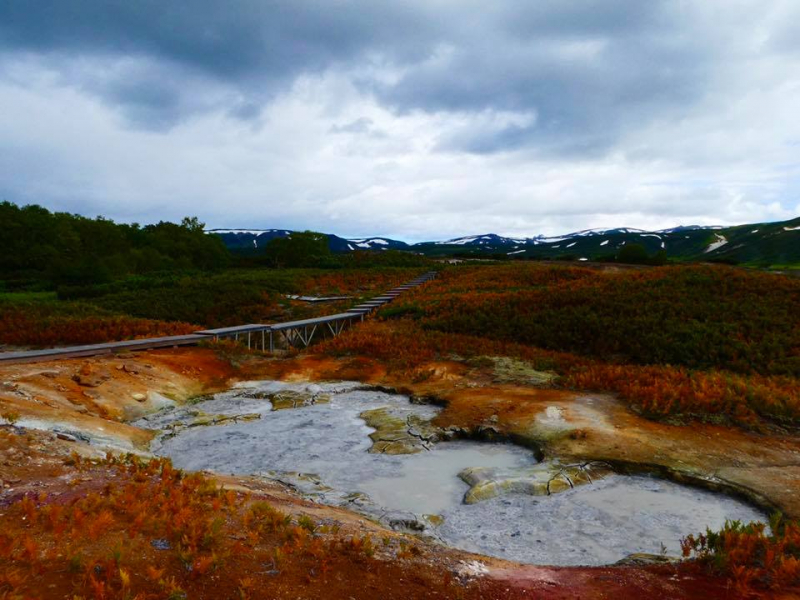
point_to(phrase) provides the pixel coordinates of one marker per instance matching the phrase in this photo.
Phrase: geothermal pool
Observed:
(323, 450)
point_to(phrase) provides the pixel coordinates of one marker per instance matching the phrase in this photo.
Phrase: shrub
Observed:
(751, 557)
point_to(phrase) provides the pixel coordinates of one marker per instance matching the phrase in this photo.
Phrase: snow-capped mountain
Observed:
(776, 243)
(253, 239)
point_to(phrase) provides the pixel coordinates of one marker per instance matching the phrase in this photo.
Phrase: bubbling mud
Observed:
(412, 475)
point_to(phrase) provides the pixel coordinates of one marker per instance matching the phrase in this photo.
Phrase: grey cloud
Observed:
(363, 126)
(256, 47)
(587, 91)
(592, 69)
(360, 125)
(582, 66)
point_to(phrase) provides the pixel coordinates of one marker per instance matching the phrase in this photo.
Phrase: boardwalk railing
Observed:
(296, 333)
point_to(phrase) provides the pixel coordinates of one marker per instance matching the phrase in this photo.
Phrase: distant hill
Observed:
(758, 244)
(253, 239)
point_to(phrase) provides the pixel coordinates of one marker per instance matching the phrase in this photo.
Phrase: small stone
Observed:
(88, 377)
(160, 544)
(294, 399)
(434, 520)
(139, 397)
(402, 521)
(159, 401)
(66, 437)
(641, 559)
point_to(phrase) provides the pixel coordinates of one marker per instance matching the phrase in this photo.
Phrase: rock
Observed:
(530, 486)
(207, 420)
(476, 475)
(642, 559)
(159, 401)
(72, 436)
(488, 431)
(470, 569)
(434, 520)
(306, 483)
(295, 399)
(139, 397)
(396, 435)
(403, 521)
(87, 376)
(160, 544)
(543, 479)
(133, 412)
(358, 498)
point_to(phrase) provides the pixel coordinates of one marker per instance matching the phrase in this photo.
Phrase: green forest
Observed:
(51, 249)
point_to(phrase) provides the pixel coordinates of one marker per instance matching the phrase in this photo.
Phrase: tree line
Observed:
(44, 249)
(58, 248)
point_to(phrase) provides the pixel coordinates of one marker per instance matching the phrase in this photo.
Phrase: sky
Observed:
(413, 119)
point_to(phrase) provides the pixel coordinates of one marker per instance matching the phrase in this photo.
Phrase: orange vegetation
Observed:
(30, 327)
(146, 530)
(355, 282)
(752, 558)
(697, 317)
(656, 391)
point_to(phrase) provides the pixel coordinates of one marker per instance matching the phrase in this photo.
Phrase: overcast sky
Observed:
(415, 119)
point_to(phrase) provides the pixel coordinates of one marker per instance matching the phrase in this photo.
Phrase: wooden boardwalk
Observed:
(96, 349)
(296, 333)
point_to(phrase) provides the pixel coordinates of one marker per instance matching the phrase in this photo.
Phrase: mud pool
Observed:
(319, 443)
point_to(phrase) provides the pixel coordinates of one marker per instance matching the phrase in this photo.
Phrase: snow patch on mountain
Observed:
(721, 241)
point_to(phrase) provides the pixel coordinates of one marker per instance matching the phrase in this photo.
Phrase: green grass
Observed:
(24, 297)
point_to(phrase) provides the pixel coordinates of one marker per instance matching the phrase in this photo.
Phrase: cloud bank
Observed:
(417, 120)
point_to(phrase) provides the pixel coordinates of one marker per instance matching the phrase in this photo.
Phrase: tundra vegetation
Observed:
(142, 529)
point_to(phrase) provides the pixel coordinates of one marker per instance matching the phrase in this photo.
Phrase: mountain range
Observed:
(764, 244)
